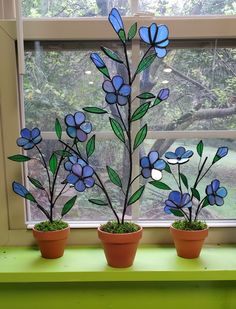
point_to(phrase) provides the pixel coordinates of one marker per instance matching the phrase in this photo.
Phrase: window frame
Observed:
(12, 228)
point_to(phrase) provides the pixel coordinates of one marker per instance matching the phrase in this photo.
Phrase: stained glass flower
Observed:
(152, 166)
(116, 20)
(116, 90)
(215, 193)
(29, 138)
(97, 60)
(222, 152)
(157, 37)
(180, 156)
(81, 174)
(77, 127)
(19, 189)
(177, 200)
(73, 160)
(163, 94)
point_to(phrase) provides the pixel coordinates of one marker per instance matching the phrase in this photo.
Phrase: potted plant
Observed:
(187, 201)
(51, 234)
(120, 238)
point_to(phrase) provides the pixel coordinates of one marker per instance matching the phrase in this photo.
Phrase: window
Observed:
(199, 70)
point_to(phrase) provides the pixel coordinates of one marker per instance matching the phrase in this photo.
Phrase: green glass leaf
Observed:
(117, 129)
(68, 205)
(132, 31)
(90, 146)
(167, 168)
(215, 159)
(140, 111)
(205, 202)
(53, 163)
(111, 54)
(196, 194)
(145, 63)
(30, 197)
(36, 183)
(140, 136)
(146, 95)
(122, 35)
(62, 153)
(184, 180)
(177, 212)
(114, 177)
(104, 71)
(58, 129)
(136, 196)
(94, 110)
(157, 101)
(200, 147)
(98, 202)
(160, 185)
(19, 158)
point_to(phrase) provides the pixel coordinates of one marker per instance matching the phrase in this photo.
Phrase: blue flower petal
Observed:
(222, 192)
(73, 159)
(77, 169)
(72, 178)
(144, 34)
(215, 185)
(222, 152)
(163, 44)
(163, 94)
(35, 133)
(71, 131)
(180, 151)
(153, 32)
(160, 165)
(160, 52)
(116, 20)
(86, 127)
(167, 210)
(185, 199)
(19, 189)
(219, 201)
(125, 90)
(97, 60)
(162, 33)
(80, 186)
(144, 162)
(69, 120)
(122, 100)
(37, 140)
(187, 154)
(209, 190)
(175, 197)
(170, 155)
(107, 86)
(170, 204)
(87, 171)
(153, 156)
(79, 118)
(28, 146)
(146, 172)
(89, 182)
(81, 135)
(68, 165)
(25, 133)
(111, 98)
(117, 81)
(211, 199)
(22, 141)
(188, 205)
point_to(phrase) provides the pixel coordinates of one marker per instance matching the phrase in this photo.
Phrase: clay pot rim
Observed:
(189, 231)
(121, 234)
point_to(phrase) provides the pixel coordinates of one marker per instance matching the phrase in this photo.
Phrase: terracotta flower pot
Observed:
(120, 249)
(188, 244)
(52, 243)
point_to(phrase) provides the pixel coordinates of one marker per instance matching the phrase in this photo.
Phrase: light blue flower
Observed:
(215, 193)
(180, 156)
(29, 138)
(152, 166)
(177, 200)
(77, 127)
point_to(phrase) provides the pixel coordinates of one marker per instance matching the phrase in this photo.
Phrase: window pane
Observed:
(72, 8)
(192, 7)
(202, 88)
(152, 203)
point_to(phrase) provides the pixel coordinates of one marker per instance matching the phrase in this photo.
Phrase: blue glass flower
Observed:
(152, 166)
(180, 156)
(73, 160)
(97, 60)
(116, 90)
(29, 138)
(215, 193)
(222, 152)
(163, 94)
(116, 20)
(77, 126)
(157, 37)
(177, 200)
(19, 189)
(81, 174)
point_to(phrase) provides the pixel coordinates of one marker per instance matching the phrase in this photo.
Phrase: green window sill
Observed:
(88, 264)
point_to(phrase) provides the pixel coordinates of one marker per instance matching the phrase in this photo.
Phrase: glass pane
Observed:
(83, 210)
(61, 78)
(202, 85)
(72, 8)
(192, 7)
(153, 199)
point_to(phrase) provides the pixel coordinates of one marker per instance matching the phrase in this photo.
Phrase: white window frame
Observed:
(12, 218)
